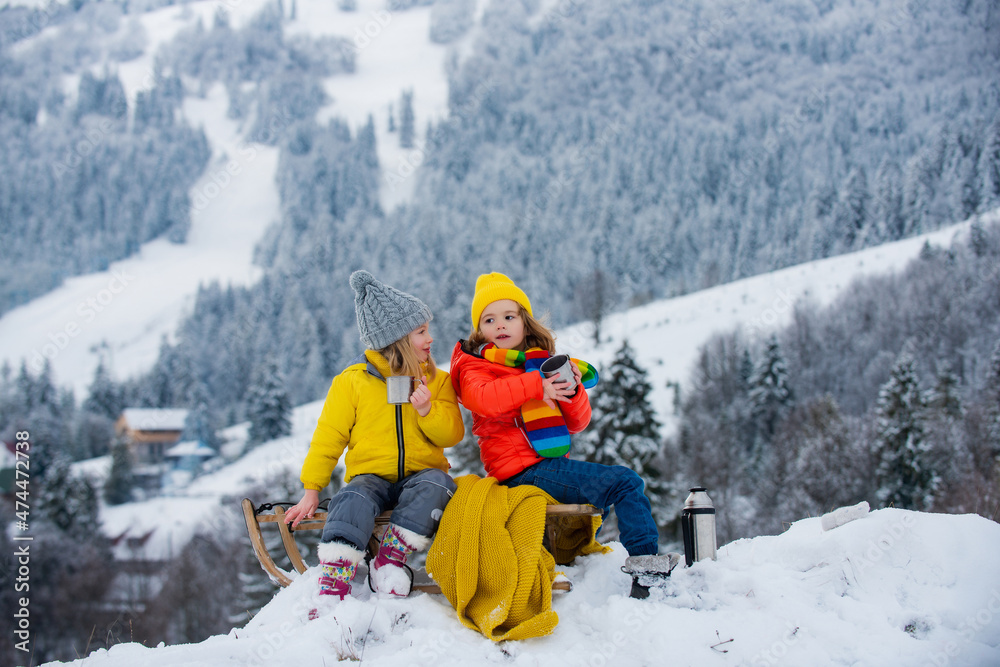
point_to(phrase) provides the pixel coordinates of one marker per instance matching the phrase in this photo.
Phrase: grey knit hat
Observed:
(384, 313)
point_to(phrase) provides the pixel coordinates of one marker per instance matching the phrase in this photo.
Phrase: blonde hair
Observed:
(403, 360)
(536, 334)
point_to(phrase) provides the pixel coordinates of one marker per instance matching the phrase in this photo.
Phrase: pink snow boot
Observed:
(338, 562)
(389, 573)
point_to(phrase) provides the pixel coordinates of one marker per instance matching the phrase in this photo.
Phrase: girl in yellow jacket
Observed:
(395, 457)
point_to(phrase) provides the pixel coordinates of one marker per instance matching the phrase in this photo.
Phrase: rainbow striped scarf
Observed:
(545, 427)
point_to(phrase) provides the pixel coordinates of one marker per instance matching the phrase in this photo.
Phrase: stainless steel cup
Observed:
(398, 389)
(559, 366)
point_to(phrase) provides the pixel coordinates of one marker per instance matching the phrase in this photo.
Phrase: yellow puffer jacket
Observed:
(356, 416)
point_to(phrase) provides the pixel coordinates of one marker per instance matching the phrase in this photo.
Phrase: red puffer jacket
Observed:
(494, 395)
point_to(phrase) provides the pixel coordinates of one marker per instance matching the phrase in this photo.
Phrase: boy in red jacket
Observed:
(492, 375)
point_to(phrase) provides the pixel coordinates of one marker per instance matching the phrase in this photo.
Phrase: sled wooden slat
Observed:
(255, 517)
(259, 548)
(291, 548)
(571, 510)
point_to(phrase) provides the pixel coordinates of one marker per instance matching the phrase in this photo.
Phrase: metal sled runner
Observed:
(556, 518)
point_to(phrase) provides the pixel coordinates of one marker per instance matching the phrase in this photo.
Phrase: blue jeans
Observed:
(602, 486)
(417, 501)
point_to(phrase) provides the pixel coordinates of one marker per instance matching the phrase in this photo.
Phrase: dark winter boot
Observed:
(649, 571)
(389, 573)
(338, 563)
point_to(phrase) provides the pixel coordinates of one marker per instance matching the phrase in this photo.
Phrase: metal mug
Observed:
(561, 367)
(398, 389)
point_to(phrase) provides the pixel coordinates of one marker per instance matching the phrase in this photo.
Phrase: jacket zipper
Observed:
(399, 442)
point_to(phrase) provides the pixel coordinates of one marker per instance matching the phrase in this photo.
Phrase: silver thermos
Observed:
(698, 526)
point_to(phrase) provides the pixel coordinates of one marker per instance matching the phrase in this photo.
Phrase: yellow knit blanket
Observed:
(489, 560)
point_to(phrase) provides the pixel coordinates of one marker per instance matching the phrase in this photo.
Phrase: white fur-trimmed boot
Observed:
(338, 563)
(389, 573)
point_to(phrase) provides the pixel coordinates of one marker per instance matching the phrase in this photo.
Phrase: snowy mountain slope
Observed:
(393, 54)
(892, 588)
(666, 334)
(139, 300)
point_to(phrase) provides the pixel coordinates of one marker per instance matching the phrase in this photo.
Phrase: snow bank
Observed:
(893, 588)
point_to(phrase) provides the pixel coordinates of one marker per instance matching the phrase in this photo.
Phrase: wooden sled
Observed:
(557, 518)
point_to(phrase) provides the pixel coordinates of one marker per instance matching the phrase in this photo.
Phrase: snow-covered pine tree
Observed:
(623, 429)
(268, 406)
(947, 440)
(71, 565)
(767, 463)
(887, 206)
(43, 412)
(903, 475)
(118, 485)
(992, 401)
(104, 397)
(944, 396)
(770, 394)
(407, 128)
(68, 502)
(989, 167)
(201, 423)
(853, 210)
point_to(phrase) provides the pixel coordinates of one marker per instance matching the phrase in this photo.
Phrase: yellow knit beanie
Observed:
(492, 287)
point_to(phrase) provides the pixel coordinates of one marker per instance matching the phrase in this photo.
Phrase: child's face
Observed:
(420, 339)
(501, 324)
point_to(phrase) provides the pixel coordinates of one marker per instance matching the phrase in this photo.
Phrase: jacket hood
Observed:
(460, 358)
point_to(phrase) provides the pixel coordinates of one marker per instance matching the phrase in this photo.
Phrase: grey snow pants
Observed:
(418, 501)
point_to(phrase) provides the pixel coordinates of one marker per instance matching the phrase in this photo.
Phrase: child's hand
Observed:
(305, 509)
(421, 398)
(553, 391)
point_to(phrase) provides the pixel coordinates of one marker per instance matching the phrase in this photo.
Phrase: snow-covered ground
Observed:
(892, 588)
